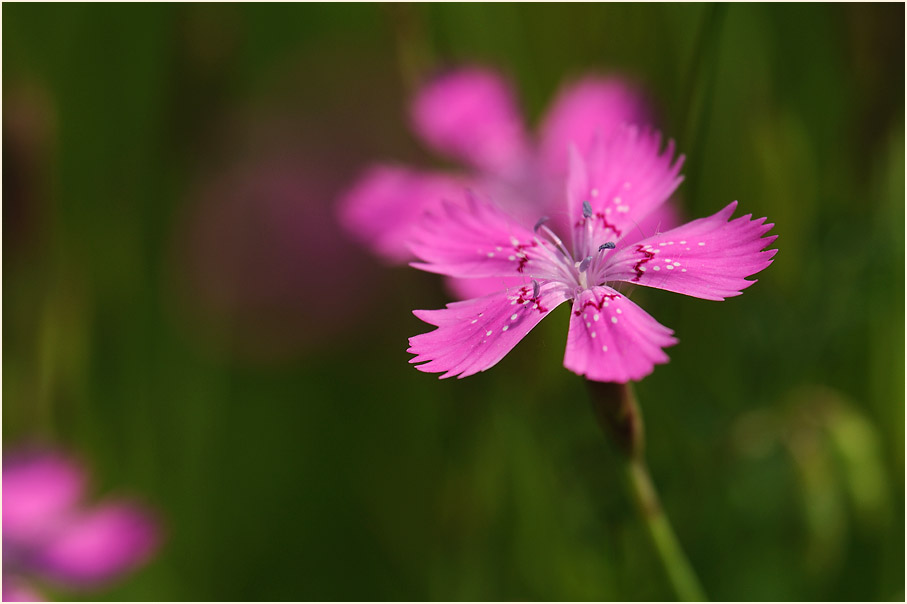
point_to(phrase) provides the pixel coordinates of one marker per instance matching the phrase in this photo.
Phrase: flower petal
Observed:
(611, 339)
(706, 258)
(472, 114)
(475, 334)
(465, 289)
(591, 105)
(17, 590)
(622, 180)
(663, 218)
(99, 544)
(480, 240)
(380, 209)
(39, 489)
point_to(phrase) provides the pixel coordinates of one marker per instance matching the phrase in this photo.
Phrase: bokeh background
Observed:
(181, 310)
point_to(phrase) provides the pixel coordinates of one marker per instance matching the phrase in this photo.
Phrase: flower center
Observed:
(583, 273)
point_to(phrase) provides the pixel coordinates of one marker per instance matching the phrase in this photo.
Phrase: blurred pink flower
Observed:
(50, 534)
(622, 179)
(472, 115)
(247, 245)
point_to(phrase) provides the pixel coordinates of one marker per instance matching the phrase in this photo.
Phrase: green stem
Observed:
(618, 414)
(680, 572)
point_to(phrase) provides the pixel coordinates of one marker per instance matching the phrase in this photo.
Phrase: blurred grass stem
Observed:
(415, 54)
(618, 414)
(701, 90)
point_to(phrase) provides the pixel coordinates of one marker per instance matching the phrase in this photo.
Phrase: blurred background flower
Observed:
(51, 534)
(251, 382)
(264, 270)
(471, 114)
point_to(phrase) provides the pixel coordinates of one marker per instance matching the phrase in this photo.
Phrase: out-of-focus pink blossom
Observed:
(621, 180)
(472, 115)
(50, 533)
(265, 269)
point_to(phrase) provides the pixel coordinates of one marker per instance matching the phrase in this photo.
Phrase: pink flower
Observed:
(622, 180)
(49, 533)
(472, 115)
(237, 251)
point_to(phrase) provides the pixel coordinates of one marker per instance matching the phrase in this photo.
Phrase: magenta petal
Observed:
(664, 218)
(624, 179)
(611, 339)
(471, 114)
(380, 209)
(589, 106)
(465, 289)
(475, 334)
(39, 489)
(477, 240)
(706, 258)
(100, 544)
(16, 590)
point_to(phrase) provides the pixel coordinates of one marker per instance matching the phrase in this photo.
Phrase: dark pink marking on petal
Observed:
(596, 302)
(708, 258)
(611, 339)
(474, 335)
(647, 256)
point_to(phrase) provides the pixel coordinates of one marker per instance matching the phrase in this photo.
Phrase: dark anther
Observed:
(607, 246)
(587, 209)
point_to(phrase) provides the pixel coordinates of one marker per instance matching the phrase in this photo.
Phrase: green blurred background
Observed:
(242, 366)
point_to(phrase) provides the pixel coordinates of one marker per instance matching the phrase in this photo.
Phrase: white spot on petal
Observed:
(594, 192)
(656, 268)
(604, 349)
(514, 241)
(592, 334)
(683, 270)
(702, 243)
(491, 254)
(676, 264)
(488, 333)
(670, 267)
(683, 243)
(505, 328)
(595, 317)
(511, 257)
(513, 317)
(614, 319)
(619, 311)
(474, 320)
